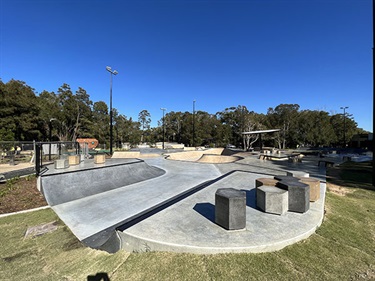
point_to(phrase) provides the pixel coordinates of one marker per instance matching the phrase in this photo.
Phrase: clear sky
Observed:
(257, 53)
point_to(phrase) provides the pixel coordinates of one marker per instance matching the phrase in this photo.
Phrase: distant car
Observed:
(231, 146)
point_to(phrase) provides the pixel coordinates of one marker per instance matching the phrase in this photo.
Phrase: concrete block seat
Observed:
(271, 199)
(298, 174)
(314, 185)
(298, 194)
(73, 159)
(265, 181)
(230, 208)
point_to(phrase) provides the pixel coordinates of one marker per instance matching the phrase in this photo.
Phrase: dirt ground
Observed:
(20, 194)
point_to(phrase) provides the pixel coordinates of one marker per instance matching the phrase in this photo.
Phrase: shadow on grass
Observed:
(352, 175)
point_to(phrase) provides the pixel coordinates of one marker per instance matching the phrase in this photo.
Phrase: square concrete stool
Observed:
(298, 195)
(314, 188)
(271, 199)
(230, 208)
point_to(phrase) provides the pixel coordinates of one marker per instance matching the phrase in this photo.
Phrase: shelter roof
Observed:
(261, 131)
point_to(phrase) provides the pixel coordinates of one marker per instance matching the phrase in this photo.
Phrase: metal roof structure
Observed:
(261, 132)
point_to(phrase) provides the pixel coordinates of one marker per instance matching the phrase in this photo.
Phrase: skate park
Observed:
(165, 201)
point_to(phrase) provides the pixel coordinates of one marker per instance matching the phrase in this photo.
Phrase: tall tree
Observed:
(284, 117)
(144, 118)
(19, 111)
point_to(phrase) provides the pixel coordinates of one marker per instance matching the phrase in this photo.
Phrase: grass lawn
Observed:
(343, 248)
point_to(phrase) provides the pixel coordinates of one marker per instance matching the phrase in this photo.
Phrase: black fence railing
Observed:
(39, 154)
(45, 152)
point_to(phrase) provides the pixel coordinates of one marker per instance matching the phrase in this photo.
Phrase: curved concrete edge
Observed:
(138, 244)
(24, 211)
(73, 184)
(218, 159)
(134, 243)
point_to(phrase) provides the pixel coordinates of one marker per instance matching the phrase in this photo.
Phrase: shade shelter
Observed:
(259, 133)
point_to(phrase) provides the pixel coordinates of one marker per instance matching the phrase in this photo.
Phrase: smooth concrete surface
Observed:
(63, 185)
(189, 226)
(164, 214)
(92, 219)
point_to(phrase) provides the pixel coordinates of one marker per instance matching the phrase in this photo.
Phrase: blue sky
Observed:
(257, 53)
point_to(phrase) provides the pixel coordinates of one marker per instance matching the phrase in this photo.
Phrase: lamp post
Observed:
(193, 123)
(344, 108)
(163, 109)
(113, 72)
(50, 137)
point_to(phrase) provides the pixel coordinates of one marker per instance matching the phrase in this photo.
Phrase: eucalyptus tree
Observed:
(19, 111)
(100, 122)
(144, 118)
(84, 119)
(284, 117)
(344, 127)
(49, 111)
(238, 120)
(315, 128)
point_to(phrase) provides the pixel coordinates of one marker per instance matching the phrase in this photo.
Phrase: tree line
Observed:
(67, 115)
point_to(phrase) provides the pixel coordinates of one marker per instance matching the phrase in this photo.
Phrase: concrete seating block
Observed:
(265, 181)
(314, 187)
(99, 158)
(73, 159)
(271, 199)
(61, 164)
(286, 178)
(298, 195)
(298, 174)
(230, 208)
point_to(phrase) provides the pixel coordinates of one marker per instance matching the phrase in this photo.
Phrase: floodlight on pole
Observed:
(114, 72)
(163, 109)
(344, 108)
(193, 123)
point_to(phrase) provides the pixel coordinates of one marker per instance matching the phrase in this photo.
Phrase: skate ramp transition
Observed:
(213, 155)
(61, 186)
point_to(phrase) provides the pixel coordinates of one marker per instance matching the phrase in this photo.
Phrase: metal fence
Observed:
(38, 153)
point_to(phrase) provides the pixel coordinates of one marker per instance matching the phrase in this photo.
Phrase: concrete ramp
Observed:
(218, 159)
(94, 218)
(87, 179)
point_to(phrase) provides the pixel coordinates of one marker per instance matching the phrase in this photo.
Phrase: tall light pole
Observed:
(193, 123)
(344, 108)
(50, 136)
(163, 109)
(113, 72)
(373, 94)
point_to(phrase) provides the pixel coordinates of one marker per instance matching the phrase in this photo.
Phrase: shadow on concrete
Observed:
(251, 198)
(207, 210)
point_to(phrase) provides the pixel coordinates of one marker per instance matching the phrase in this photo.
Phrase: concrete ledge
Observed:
(126, 154)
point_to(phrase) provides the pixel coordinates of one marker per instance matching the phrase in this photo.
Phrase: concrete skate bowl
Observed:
(212, 156)
(70, 184)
